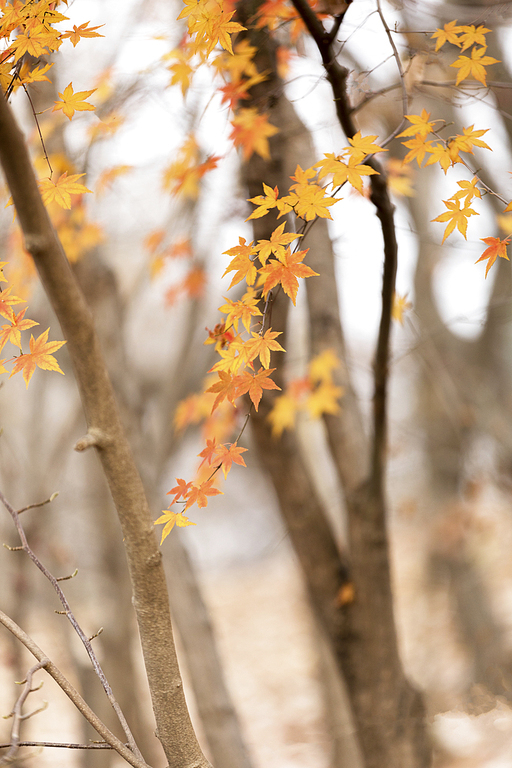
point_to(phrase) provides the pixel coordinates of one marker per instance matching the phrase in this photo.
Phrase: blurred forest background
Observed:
(148, 254)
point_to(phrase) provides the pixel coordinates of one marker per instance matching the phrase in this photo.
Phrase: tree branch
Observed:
(71, 692)
(74, 623)
(150, 598)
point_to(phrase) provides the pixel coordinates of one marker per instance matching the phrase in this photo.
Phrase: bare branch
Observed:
(19, 717)
(76, 626)
(72, 693)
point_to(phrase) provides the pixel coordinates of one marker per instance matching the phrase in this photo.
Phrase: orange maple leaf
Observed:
(74, 102)
(242, 264)
(208, 453)
(229, 456)
(286, 271)
(61, 190)
(7, 301)
(12, 332)
(179, 490)
(254, 384)
(251, 131)
(226, 387)
(496, 248)
(40, 355)
(261, 346)
(198, 494)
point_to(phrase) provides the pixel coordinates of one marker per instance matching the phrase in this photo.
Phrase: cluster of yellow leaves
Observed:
(41, 350)
(447, 152)
(183, 176)
(465, 37)
(28, 28)
(315, 394)
(210, 24)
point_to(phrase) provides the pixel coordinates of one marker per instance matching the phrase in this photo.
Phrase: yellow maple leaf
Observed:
(400, 306)
(421, 125)
(168, 519)
(449, 34)
(72, 102)
(40, 355)
(474, 66)
(324, 399)
(60, 191)
(456, 217)
(251, 131)
(322, 365)
(84, 30)
(360, 146)
(282, 416)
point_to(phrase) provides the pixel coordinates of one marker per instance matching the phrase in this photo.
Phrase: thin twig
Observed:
(72, 693)
(76, 626)
(405, 97)
(19, 717)
(62, 745)
(337, 76)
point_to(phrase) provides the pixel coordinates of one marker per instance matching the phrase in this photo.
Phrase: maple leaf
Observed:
(12, 332)
(324, 400)
(362, 146)
(180, 490)
(469, 138)
(36, 75)
(254, 384)
(208, 453)
(474, 66)
(72, 102)
(230, 456)
(276, 244)
(226, 388)
(41, 354)
(400, 306)
(108, 176)
(286, 271)
(243, 309)
(231, 359)
(421, 126)
(220, 336)
(261, 345)
(322, 365)
(442, 154)
(473, 36)
(282, 416)
(198, 494)
(242, 264)
(7, 301)
(418, 149)
(251, 131)
(264, 202)
(449, 34)
(310, 201)
(496, 248)
(353, 171)
(84, 30)
(36, 43)
(181, 68)
(456, 217)
(171, 518)
(400, 177)
(468, 190)
(61, 190)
